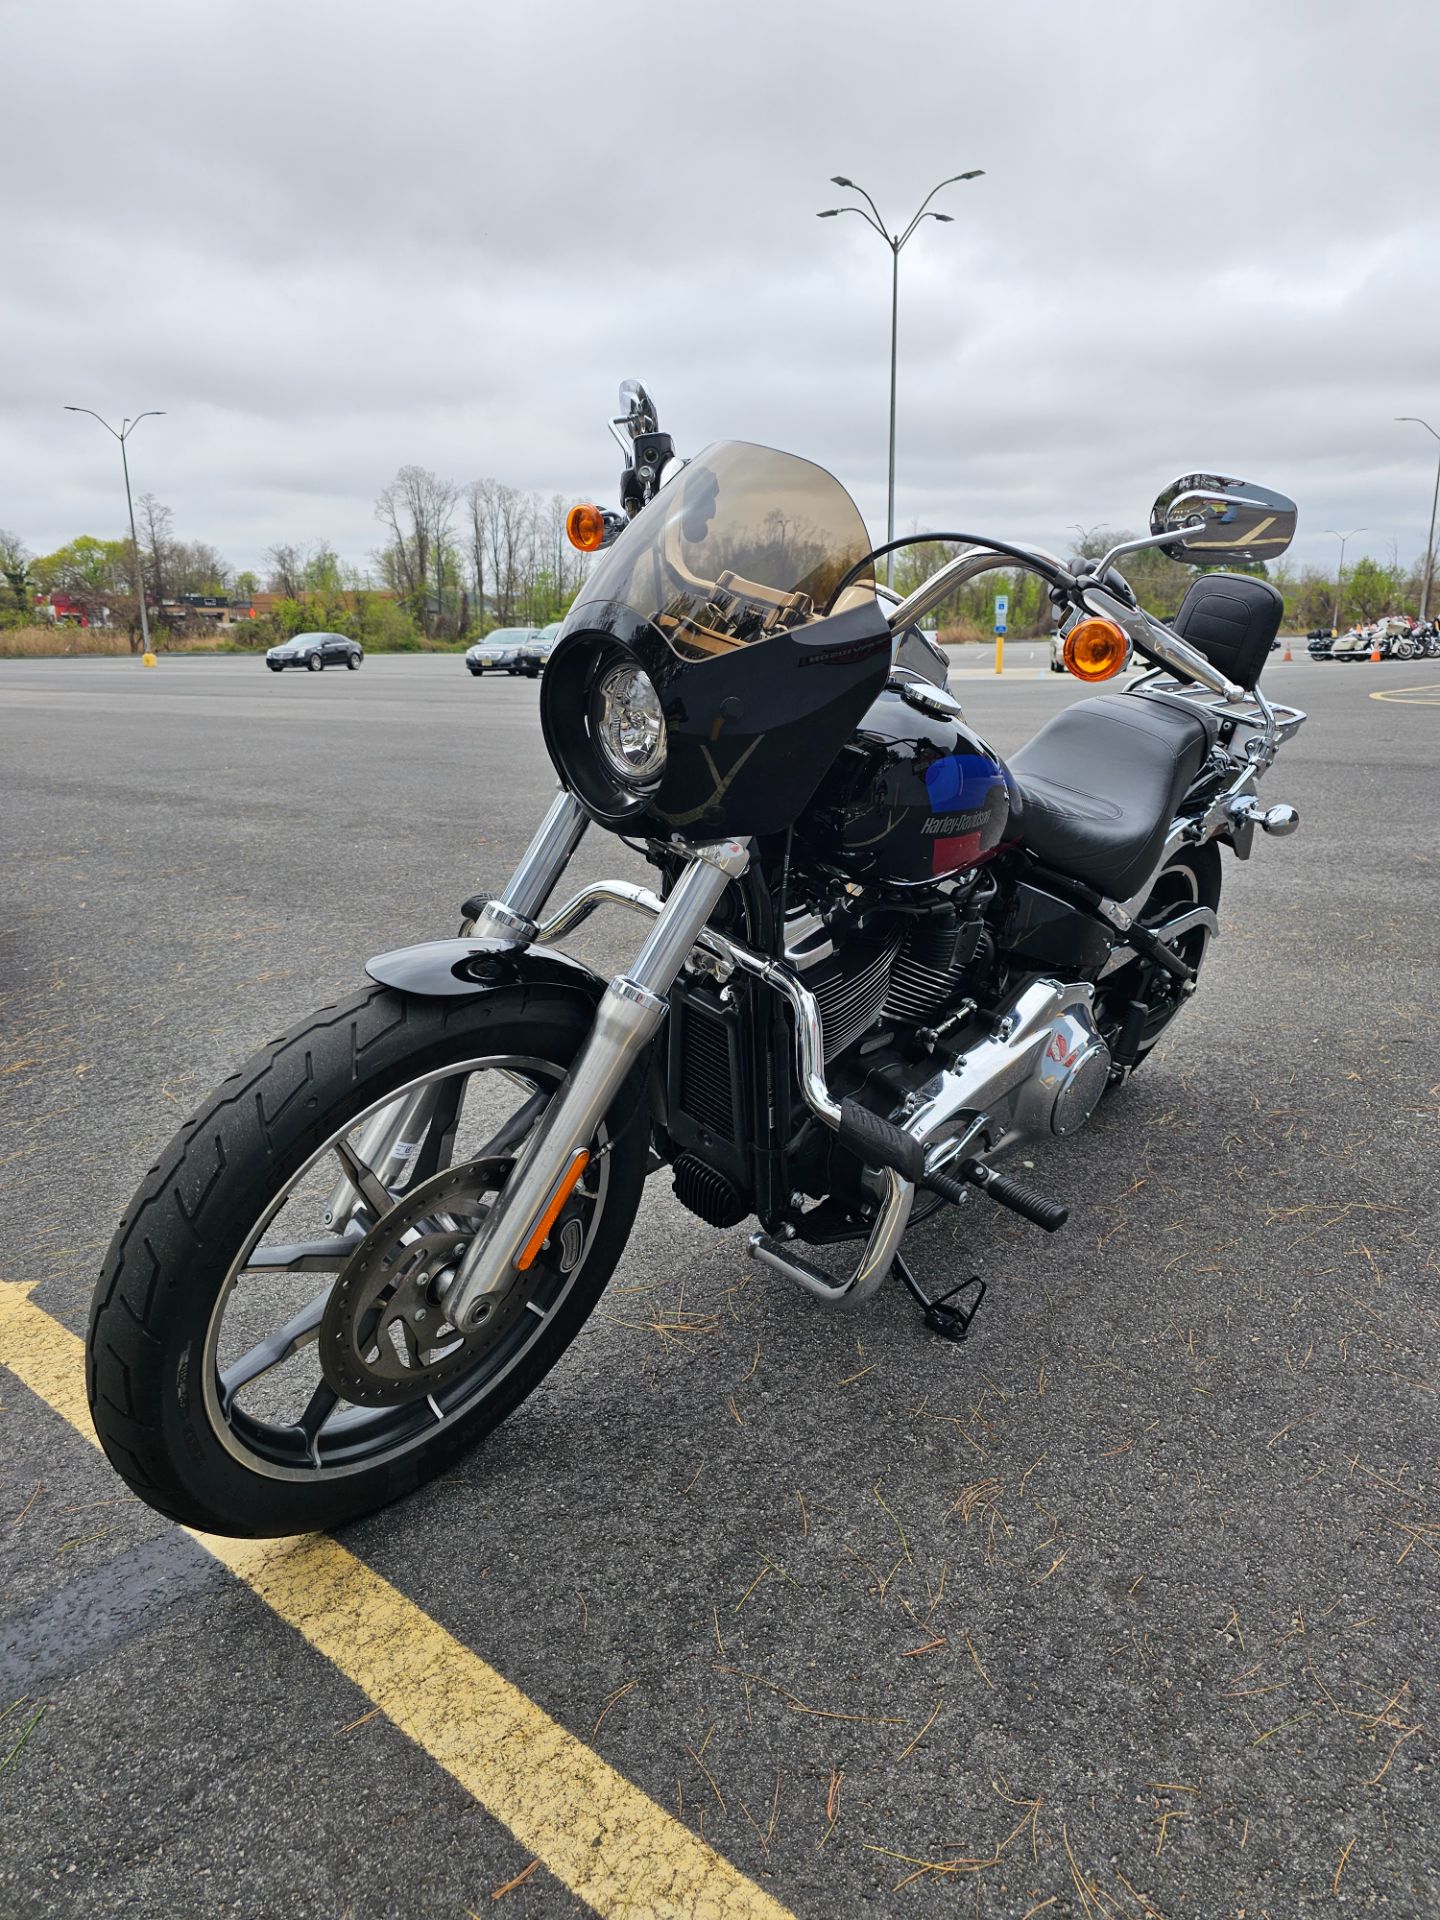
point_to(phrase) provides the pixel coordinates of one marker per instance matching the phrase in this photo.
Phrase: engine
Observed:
(897, 965)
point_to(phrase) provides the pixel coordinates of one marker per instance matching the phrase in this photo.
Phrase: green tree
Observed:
(100, 576)
(1370, 590)
(15, 559)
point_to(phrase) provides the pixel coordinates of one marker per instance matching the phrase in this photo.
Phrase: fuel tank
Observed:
(914, 796)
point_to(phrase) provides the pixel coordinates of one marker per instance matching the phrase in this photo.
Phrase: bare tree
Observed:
(197, 567)
(417, 509)
(285, 570)
(157, 546)
(477, 513)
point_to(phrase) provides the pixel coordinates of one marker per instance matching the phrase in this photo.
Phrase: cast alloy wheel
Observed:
(269, 1351)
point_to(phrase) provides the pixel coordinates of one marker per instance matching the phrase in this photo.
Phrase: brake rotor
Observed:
(385, 1339)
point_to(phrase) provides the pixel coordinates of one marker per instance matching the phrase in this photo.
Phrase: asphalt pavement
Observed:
(1127, 1606)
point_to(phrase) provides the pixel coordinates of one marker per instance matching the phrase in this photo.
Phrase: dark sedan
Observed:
(315, 652)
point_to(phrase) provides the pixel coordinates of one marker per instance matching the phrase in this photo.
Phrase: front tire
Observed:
(191, 1279)
(315, 664)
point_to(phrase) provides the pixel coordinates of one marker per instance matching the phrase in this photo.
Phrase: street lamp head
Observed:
(975, 173)
(828, 214)
(946, 219)
(839, 180)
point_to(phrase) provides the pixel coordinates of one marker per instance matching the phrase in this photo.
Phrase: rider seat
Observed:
(1099, 785)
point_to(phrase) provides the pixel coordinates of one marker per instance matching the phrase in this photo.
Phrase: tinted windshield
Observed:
(744, 543)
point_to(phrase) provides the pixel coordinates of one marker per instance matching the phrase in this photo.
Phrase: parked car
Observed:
(499, 652)
(315, 651)
(536, 651)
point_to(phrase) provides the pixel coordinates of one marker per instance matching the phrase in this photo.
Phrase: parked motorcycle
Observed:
(876, 960)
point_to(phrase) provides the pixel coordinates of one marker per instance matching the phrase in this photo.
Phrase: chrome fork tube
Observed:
(512, 915)
(510, 918)
(627, 1017)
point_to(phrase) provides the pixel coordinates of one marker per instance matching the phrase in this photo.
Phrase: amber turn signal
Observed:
(1095, 649)
(585, 528)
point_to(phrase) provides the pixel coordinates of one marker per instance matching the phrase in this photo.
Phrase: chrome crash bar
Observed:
(708, 951)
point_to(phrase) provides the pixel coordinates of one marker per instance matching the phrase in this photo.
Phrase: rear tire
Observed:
(353, 662)
(1190, 879)
(171, 1272)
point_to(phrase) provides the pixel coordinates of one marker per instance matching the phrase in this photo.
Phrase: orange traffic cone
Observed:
(1287, 655)
(1374, 649)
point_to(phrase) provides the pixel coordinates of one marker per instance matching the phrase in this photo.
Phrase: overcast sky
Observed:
(331, 239)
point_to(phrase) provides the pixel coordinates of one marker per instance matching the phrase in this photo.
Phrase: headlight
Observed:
(628, 724)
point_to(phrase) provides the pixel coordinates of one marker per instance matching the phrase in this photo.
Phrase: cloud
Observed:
(329, 239)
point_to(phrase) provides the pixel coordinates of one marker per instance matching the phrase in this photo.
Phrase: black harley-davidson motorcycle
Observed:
(875, 960)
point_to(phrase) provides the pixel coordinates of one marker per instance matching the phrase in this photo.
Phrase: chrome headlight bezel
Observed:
(627, 724)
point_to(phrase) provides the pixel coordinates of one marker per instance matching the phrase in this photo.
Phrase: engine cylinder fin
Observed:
(850, 990)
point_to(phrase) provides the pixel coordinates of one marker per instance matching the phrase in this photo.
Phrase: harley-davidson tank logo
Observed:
(947, 823)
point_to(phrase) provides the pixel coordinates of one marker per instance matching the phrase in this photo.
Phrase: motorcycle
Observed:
(876, 960)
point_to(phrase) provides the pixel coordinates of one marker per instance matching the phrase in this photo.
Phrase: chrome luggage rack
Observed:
(1268, 726)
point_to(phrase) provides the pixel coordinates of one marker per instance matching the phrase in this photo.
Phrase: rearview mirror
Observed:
(1222, 523)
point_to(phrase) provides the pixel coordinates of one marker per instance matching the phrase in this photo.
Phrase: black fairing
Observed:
(749, 733)
(911, 798)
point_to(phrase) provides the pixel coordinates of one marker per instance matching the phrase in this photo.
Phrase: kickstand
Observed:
(952, 1323)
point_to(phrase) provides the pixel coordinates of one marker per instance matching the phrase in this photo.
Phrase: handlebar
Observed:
(1148, 636)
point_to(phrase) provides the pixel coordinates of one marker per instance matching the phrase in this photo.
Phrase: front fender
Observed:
(451, 969)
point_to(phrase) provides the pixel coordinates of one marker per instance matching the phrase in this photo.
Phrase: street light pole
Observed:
(896, 243)
(1340, 576)
(127, 427)
(1415, 420)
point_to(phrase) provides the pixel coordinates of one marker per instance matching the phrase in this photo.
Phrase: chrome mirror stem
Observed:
(1161, 644)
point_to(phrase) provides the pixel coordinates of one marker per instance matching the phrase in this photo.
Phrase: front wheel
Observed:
(268, 1350)
(315, 664)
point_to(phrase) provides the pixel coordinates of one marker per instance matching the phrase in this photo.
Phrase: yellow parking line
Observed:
(1424, 696)
(605, 1839)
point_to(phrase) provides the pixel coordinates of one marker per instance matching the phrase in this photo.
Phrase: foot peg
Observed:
(1051, 1215)
(879, 1143)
